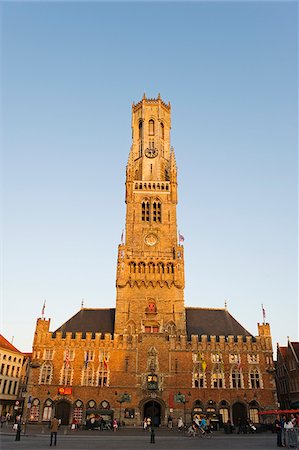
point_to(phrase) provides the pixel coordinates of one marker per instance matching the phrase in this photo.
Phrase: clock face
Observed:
(151, 152)
(151, 239)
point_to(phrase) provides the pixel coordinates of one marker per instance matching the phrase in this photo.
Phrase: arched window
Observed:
(131, 328)
(145, 211)
(236, 378)
(254, 411)
(87, 375)
(34, 410)
(254, 379)
(170, 328)
(198, 376)
(140, 129)
(160, 267)
(156, 211)
(151, 127)
(162, 130)
(47, 411)
(78, 411)
(46, 372)
(224, 411)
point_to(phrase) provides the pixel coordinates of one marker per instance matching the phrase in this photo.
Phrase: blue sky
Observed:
(70, 72)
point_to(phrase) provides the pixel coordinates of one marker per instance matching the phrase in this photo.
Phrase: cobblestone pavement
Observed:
(139, 440)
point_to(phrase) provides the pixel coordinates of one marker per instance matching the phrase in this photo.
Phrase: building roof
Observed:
(200, 321)
(4, 343)
(94, 320)
(213, 322)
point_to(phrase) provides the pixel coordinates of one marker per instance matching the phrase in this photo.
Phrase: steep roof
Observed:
(4, 343)
(215, 322)
(200, 321)
(295, 346)
(95, 320)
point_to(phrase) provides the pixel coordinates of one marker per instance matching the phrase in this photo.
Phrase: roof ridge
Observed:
(9, 344)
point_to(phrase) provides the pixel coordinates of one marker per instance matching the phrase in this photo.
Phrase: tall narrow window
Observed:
(236, 378)
(66, 376)
(255, 382)
(45, 373)
(199, 378)
(87, 375)
(140, 129)
(151, 126)
(156, 211)
(145, 211)
(162, 130)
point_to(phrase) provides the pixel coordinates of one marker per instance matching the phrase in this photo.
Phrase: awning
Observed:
(279, 411)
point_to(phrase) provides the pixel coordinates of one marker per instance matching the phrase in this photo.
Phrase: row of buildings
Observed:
(150, 356)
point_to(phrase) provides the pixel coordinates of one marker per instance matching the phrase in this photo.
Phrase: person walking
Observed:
(145, 424)
(278, 430)
(54, 428)
(180, 424)
(115, 426)
(18, 424)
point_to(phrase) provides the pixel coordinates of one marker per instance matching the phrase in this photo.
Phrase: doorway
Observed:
(62, 412)
(152, 409)
(239, 412)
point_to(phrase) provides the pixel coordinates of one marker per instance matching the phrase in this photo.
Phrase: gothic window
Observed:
(103, 372)
(47, 411)
(254, 379)
(87, 375)
(140, 149)
(152, 359)
(236, 378)
(162, 130)
(224, 414)
(34, 410)
(157, 211)
(78, 411)
(160, 267)
(198, 377)
(151, 127)
(252, 358)
(132, 267)
(254, 411)
(66, 375)
(170, 328)
(145, 211)
(142, 267)
(217, 380)
(46, 372)
(140, 129)
(151, 143)
(170, 268)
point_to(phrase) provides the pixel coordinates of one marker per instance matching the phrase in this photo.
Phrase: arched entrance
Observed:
(152, 409)
(63, 411)
(239, 412)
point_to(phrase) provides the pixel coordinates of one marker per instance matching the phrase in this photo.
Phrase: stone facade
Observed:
(151, 356)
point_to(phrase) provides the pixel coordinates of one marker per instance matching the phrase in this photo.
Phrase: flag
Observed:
(86, 359)
(67, 359)
(264, 313)
(239, 366)
(181, 238)
(122, 238)
(105, 360)
(43, 308)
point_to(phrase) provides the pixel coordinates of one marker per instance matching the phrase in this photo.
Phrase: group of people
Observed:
(5, 418)
(286, 430)
(147, 422)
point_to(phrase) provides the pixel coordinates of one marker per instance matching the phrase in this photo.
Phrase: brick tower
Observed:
(150, 268)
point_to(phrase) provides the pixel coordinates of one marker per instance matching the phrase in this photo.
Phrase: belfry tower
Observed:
(150, 267)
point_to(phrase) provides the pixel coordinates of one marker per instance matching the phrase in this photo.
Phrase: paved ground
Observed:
(136, 439)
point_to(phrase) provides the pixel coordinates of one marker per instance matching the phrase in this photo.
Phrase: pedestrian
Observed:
(152, 435)
(278, 430)
(169, 421)
(2, 420)
(149, 422)
(18, 427)
(145, 424)
(290, 434)
(7, 418)
(180, 424)
(115, 426)
(54, 428)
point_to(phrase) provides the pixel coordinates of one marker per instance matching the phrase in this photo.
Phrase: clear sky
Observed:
(70, 72)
